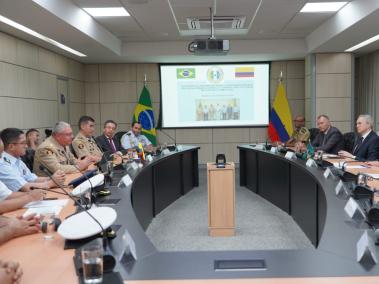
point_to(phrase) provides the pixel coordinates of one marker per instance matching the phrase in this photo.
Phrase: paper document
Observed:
(43, 210)
(355, 167)
(47, 203)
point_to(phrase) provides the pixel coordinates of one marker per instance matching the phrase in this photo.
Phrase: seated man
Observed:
(107, 141)
(299, 124)
(54, 153)
(32, 138)
(132, 138)
(13, 171)
(366, 147)
(329, 139)
(84, 145)
(10, 200)
(13, 227)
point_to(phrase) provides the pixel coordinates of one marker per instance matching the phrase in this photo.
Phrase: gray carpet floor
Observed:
(183, 226)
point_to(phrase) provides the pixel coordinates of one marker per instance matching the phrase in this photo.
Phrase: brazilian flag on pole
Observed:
(144, 114)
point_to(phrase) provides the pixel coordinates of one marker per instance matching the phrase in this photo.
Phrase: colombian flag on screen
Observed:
(280, 127)
(244, 72)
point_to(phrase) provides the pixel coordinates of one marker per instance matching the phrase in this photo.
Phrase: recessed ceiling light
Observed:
(321, 7)
(38, 35)
(107, 12)
(363, 43)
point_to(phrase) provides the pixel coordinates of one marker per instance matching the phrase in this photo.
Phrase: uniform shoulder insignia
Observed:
(81, 146)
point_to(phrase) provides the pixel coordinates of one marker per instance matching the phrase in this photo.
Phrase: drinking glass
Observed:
(47, 225)
(92, 260)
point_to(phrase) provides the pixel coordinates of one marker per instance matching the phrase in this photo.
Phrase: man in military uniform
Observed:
(132, 138)
(84, 144)
(54, 153)
(296, 135)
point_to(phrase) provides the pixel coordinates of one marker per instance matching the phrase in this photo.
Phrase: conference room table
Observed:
(155, 186)
(288, 184)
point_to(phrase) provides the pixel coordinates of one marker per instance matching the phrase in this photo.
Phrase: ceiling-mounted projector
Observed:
(209, 46)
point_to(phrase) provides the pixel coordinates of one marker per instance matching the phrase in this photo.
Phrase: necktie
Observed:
(323, 140)
(112, 145)
(359, 143)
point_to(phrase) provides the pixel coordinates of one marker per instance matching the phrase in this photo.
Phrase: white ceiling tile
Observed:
(274, 15)
(305, 23)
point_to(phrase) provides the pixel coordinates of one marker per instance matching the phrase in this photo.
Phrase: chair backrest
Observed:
(73, 151)
(314, 132)
(348, 141)
(28, 158)
(118, 135)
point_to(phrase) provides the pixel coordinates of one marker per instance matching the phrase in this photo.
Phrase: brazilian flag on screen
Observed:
(144, 114)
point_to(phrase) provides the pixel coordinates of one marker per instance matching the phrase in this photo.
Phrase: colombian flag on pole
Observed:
(144, 114)
(280, 127)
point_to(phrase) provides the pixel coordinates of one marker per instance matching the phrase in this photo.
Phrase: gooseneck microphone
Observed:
(88, 205)
(345, 163)
(45, 189)
(48, 173)
(109, 260)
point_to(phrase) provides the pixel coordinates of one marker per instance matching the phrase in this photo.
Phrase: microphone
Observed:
(89, 204)
(49, 190)
(106, 166)
(103, 192)
(109, 260)
(344, 163)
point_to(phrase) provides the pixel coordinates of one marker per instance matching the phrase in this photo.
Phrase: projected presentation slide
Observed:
(214, 95)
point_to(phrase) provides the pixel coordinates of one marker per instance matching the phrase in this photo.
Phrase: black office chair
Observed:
(313, 132)
(348, 141)
(28, 158)
(73, 151)
(119, 135)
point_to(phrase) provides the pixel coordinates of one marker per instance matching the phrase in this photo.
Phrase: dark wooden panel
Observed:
(188, 171)
(273, 183)
(304, 202)
(252, 172)
(167, 182)
(142, 197)
(321, 211)
(242, 154)
(195, 161)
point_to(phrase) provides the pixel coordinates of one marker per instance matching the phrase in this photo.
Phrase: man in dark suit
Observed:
(329, 139)
(107, 141)
(366, 146)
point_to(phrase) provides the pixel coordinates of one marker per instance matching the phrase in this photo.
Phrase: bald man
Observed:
(329, 139)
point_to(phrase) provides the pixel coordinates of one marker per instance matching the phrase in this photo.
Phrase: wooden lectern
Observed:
(221, 200)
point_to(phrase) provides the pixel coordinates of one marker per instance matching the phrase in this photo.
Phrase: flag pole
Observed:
(281, 76)
(145, 80)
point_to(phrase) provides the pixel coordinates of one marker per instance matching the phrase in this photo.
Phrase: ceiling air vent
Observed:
(220, 23)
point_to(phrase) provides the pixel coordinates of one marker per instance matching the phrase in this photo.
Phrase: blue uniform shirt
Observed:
(14, 173)
(4, 191)
(129, 140)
